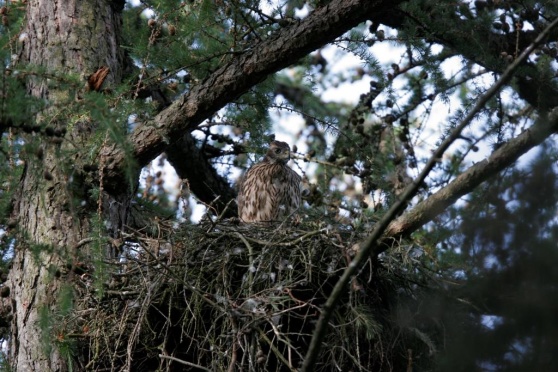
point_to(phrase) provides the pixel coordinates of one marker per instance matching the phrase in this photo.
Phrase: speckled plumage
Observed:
(269, 190)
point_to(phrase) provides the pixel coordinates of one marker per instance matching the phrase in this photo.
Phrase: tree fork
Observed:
(236, 77)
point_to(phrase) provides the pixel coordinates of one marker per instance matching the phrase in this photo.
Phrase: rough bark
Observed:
(63, 36)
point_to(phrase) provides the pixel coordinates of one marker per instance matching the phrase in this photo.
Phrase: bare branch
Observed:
(506, 155)
(190, 364)
(191, 164)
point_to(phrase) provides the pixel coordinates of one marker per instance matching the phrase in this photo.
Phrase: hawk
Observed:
(270, 190)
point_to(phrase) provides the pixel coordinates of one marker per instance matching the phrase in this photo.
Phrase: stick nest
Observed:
(229, 297)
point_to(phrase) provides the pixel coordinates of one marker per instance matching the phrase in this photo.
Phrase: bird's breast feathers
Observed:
(268, 192)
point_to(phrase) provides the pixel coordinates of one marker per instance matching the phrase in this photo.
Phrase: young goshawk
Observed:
(270, 190)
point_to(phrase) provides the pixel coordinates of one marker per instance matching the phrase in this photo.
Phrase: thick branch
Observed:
(237, 76)
(191, 164)
(506, 155)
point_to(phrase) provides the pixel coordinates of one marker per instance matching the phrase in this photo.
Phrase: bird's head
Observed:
(278, 152)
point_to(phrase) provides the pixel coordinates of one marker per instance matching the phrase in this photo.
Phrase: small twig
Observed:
(290, 243)
(234, 353)
(250, 260)
(184, 362)
(273, 348)
(83, 242)
(134, 335)
(220, 217)
(122, 293)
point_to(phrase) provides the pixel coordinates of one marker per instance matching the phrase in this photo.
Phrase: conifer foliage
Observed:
(421, 244)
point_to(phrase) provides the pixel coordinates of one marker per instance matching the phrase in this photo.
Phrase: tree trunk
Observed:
(62, 37)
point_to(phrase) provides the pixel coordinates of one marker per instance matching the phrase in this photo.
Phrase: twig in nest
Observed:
(184, 362)
(284, 244)
(251, 261)
(275, 351)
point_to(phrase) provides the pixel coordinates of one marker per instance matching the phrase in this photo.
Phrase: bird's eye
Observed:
(277, 151)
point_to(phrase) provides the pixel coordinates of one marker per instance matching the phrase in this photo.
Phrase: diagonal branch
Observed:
(190, 163)
(236, 77)
(500, 159)
(371, 244)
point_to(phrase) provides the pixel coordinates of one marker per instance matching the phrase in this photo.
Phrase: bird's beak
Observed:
(288, 155)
